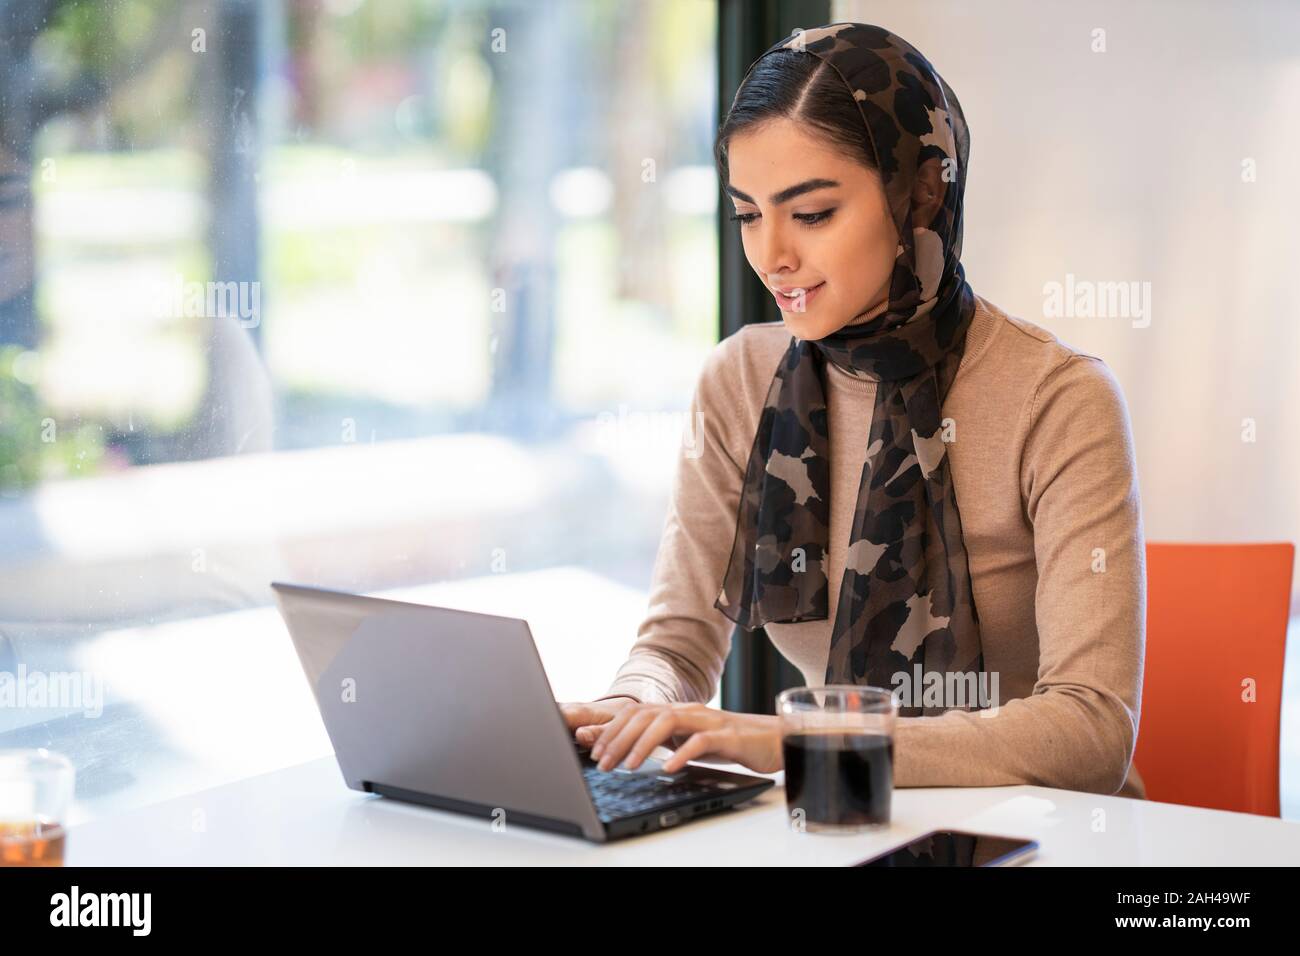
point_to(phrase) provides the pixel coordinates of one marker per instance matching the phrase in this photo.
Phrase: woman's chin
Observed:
(804, 325)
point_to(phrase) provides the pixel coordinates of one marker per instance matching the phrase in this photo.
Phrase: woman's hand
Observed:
(584, 719)
(753, 740)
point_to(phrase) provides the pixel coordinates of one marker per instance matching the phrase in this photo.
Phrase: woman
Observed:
(838, 443)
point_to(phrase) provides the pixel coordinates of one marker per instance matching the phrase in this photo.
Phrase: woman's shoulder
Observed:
(733, 384)
(1057, 387)
(756, 342)
(1019, 352)
(745, 361)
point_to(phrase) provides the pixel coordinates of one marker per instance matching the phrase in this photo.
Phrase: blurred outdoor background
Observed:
(471, 250)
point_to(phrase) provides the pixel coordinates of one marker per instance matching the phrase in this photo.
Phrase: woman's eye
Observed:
(807, 218)
(815, 218)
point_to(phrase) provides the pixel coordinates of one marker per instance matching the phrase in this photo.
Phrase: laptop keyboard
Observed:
(623, 793)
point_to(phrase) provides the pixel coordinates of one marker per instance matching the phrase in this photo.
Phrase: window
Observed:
(343, 294)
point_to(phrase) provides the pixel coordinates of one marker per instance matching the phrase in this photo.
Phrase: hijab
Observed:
(905, 608)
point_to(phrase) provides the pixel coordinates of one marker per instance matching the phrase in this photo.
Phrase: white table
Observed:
(304, 815)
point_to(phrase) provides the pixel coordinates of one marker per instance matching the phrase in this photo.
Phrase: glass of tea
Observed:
(838, 743)
(35, 797)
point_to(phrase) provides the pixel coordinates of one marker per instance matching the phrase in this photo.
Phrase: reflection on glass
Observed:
(368, 296)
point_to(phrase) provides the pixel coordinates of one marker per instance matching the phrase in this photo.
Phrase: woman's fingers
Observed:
(616, 741)
(576, 715)
(701, 743)
(660, 729)
(610, 728)
(590, 714)
(586, 734)
(632, 740)
(750, 739)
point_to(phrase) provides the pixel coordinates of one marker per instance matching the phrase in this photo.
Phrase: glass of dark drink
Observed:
(838, 743)
(35, 797)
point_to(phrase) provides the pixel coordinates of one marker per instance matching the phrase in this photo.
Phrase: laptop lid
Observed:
(434, 701)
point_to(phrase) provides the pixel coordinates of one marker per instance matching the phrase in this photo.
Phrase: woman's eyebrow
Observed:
(785, 195)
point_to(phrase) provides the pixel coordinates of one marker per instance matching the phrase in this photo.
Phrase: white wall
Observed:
(1127, 165)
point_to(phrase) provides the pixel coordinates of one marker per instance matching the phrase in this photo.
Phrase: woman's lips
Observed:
(791, 303)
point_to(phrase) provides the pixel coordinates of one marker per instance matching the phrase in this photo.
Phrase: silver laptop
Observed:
(453, 710)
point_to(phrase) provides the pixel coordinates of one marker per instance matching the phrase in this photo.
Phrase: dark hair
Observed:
(799, 86)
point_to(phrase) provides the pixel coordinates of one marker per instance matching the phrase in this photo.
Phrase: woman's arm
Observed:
(683, 641)
(1079, 727)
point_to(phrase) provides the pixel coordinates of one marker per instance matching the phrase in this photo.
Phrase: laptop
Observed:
(452, 709)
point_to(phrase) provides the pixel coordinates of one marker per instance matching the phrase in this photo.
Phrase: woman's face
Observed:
(812, 219)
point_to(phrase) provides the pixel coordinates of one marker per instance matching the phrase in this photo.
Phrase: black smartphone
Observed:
(957, 848)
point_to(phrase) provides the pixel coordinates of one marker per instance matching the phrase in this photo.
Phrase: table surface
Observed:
(305, 815)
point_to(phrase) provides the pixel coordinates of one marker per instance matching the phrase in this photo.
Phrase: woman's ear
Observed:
(927, 193)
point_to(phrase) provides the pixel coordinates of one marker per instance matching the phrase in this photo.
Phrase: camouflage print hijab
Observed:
(905, 600)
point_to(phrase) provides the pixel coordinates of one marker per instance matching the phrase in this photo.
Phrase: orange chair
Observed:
(1216, 619)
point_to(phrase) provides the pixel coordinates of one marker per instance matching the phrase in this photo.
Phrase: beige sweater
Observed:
(1045, 476)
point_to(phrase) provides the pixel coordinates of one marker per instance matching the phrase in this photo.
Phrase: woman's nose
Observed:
(776, 254)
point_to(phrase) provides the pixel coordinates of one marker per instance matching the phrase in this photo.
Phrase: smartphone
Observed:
(957, 848)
